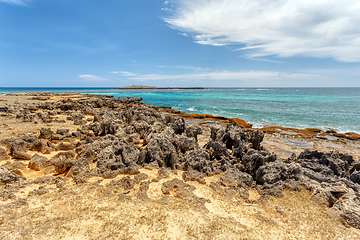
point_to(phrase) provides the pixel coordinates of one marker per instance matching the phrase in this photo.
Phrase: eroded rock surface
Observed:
(121, 135)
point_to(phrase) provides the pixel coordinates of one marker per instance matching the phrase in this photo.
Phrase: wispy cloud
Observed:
(284, 28)
(124, 73)
(88, 77)
(185, 67)
(15, 2)
(221, 75)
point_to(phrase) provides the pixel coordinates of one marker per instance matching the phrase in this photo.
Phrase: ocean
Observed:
(324, 108)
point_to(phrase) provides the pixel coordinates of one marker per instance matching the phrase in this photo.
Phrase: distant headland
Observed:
(152, 87)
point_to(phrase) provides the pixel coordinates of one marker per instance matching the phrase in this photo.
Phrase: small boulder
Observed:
(38, 162)
(62, 131)
(7, 176)
(3, 154)
(65, 154)
(63, 165)
(6, 194)
(81, 166)
(234, 178)
(45, 133)
(252, 161)
(355, 177)
(347, 208)
(21, 155)
(192, 175)
(65, 146)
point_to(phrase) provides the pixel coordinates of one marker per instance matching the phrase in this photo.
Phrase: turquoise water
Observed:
(324, 108)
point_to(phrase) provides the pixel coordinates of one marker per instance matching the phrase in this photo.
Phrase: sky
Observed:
(180, 43)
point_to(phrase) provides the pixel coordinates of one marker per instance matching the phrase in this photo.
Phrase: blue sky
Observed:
(184, 43)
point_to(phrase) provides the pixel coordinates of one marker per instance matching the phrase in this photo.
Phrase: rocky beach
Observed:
(81, 166)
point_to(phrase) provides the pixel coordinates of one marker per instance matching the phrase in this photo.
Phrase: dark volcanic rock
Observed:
(117, 124)
(234, 178)
(355, 177)
(179, 126)
(3, 154)
(199, 160)
(348, 210)
(192, 175)
(8, 177)
(333, 163)
(252, 161)
(124, 183)
(15, 144)
(65, 146)
(6, 194)
(41, 146)
(80, 167)
(276, 171)
(105, 127)
(38, 162)
(328, 194)
(184, 143)
(256, 138)
(217, 150)
(193, 131)
(21, 155)
(45, 133)
(119, 154)
(63, 164)
(161, 150)
(65, 154)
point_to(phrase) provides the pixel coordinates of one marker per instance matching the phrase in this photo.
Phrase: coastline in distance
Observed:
(152, 87)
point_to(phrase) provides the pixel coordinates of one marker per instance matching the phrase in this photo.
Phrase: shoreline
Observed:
(343, 130)
(144, 162)
(307, 135)
(312, 132)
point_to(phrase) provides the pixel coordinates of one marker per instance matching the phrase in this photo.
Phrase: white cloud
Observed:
(284, 28)
(88, 77)
(184, 67)
(124, 73)
(15, 2)
(224, 75)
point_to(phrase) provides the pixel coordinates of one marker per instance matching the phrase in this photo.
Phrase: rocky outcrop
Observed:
(3, 154)
(38, 162)
(122, 135)
(161, 150)
(347, 208)
(7, 176)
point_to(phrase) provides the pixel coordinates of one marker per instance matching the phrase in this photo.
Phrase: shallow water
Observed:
(324, 108)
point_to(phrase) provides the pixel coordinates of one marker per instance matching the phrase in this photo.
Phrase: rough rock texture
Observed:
(38, 162)
(122, 135)
(8, 177)
(6, 194)
(161, 150)
(348, 210)
(3, 154)
(45, 133)
(21, 155)
(234, 178)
